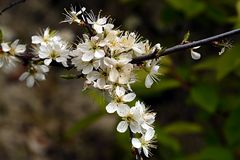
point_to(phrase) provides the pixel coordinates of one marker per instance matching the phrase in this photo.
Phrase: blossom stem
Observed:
(11, 5)
(181, 47)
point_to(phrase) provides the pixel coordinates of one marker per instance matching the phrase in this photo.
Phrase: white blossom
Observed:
(143, 144)
(34, 73)
(120, 97)
(72, 15)
(47, 37)
(120, 70)
(130, 118)
(8, 59)
(55, 51)
(152, 76)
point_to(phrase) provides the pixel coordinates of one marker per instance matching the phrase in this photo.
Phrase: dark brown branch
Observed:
(181, 47)
(11, 5)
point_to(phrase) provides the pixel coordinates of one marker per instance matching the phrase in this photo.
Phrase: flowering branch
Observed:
(11, 5)
(107, 58)
(181, 47)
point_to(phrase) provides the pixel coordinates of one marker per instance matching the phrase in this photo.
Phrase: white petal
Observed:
(44, 68)
(145, 151)
(109, 61)
(111, 107)
(30, 81)
(222, 51)
(47, 61)
(24, 76)
(98, 28)
(154, 69)
(5, 47)
(148, 81)
(129, 97)
(93, 76)
(87, 56)
(20, 48)
(123, 110)
(102, 21)
(120, 91)
(15, 43)
(122, 126)
(136, 143)
(99, 53)
(195, 55)
(135, 128)
(40, 76)
(113, 75)
(149, 134)
(37, 39)
(87, 69)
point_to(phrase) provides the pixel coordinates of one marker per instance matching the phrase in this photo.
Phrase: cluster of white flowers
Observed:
(9, 53)
(103, 57)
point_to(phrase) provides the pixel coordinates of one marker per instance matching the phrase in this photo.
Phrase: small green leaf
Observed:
(205, 97)
(182, 128)
(228, 62)
(186, 37)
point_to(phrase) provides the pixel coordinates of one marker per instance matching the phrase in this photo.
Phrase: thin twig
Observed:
(11, 5)
(185, 46)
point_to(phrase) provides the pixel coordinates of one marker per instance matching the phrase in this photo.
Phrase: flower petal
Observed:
(99, 53)
(128, 97)
(47, 61)
(24, 76)
(5, 47)
(122, 126)
(123, 110)
(136, 143)
(148, 81)
(195, 55)
(149, 134)
(111, 107)
(30, 81)
(37, 39)
(87, 56)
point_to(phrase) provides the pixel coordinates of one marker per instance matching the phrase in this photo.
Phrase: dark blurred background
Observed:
(198, 102)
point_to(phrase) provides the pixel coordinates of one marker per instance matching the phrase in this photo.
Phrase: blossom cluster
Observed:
(103, 57)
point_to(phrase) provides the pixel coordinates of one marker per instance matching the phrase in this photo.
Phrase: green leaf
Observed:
(228, 62)
(232, 129)
(182, 128)
(167, 140)
(186, 37)
(205, 97)
(212, 153)
(189, 7)
(82, 124)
